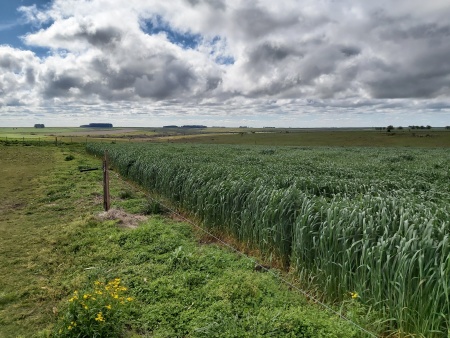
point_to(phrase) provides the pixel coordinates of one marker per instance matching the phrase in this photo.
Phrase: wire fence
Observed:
(57, 140)
(43, 140)
(262, 267)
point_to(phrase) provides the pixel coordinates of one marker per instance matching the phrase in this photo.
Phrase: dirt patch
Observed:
(124, 219)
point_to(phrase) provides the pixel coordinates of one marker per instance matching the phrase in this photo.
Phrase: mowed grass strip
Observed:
(54, 242)
(39, 198)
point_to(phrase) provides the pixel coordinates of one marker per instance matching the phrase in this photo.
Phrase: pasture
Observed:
(357, 137)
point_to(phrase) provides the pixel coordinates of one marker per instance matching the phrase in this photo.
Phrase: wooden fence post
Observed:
(106, 198)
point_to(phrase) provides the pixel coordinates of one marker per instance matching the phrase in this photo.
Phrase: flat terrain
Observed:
(54, 239)
(329, 138)
(357, 137)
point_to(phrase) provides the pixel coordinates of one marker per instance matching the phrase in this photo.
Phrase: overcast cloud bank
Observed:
(291, 63)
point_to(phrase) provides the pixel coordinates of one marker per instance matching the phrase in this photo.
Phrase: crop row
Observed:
(374, 221)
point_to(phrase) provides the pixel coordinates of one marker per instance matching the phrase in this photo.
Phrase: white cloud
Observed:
(340, 53)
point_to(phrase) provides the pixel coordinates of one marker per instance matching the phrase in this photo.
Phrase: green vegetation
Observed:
(327, 138)
(56, 240)
(101, 311)
(366, 220)
(378, 137)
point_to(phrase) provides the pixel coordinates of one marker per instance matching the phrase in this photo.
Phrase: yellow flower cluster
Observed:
(75, 296)
(113, 289)
(99, 317)
(96, 308)
(71, 326)
(354, 295)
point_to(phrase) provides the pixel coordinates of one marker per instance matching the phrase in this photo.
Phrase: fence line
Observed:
(261, 267)
(56, 140)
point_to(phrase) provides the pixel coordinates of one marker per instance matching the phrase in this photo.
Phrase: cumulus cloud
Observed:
(18, 72)
(345, 54)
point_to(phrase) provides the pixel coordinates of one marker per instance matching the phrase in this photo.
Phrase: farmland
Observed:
(56, 240)
(373, 221)
(334, 137)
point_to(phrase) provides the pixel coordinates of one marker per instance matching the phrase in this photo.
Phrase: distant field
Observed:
(436, 137)
(339, 138)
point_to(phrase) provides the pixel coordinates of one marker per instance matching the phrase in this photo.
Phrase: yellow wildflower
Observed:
(130, 299)
(354, 295)
(108, 307)
(99, 317)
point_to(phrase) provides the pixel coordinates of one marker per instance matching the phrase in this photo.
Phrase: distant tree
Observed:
(39, 125)
(400, 128)
(428, 127)
(389, 128)
(447, 127)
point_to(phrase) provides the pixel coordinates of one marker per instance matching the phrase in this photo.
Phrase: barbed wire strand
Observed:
(262, 267)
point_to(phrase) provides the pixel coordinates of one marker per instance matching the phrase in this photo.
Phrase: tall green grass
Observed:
(374, 221)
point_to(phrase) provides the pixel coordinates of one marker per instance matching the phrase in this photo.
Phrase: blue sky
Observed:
(225, 62)
(13, 25)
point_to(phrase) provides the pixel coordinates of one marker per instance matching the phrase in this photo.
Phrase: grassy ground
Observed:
(53, 242)
(435, 137)
(337, 138)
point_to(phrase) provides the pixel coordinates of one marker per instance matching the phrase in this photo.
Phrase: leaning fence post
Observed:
(106, 199)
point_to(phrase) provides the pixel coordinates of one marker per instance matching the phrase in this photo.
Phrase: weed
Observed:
(153, 207)
(101, 311)
(126, 194)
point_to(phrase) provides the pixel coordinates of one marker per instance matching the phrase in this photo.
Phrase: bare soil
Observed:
(124, 219)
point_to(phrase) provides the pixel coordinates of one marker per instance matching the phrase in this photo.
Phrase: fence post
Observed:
(106, 198)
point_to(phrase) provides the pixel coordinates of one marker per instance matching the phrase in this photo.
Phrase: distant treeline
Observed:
(391, 127)
(97, 125)
(187, 126)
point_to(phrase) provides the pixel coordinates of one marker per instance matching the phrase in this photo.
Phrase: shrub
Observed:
(101, 311)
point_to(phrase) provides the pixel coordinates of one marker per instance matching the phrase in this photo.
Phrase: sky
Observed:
(261, 63)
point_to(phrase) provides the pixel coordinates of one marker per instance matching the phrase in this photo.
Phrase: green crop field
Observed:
(372, 221)
(324, 137)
